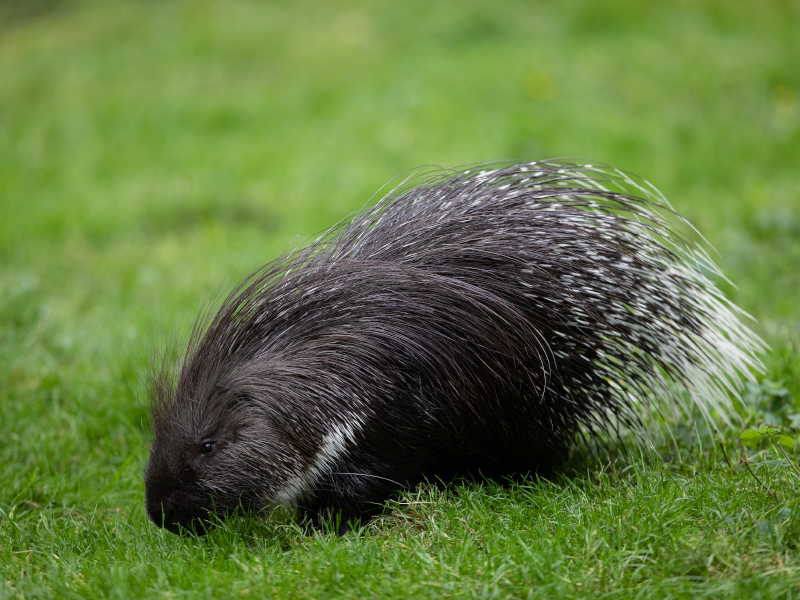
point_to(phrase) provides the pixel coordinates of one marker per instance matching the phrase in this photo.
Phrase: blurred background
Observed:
(152, 152)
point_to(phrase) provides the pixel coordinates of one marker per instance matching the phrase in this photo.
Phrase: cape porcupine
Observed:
(472, 320)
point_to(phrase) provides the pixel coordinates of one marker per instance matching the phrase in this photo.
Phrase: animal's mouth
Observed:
(192, 526)
(196, 526)
(168, 515)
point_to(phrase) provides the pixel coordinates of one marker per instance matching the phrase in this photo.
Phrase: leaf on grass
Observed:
(751, 434)
(785, 440)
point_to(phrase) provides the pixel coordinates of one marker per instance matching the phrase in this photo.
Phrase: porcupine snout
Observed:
(161, 495)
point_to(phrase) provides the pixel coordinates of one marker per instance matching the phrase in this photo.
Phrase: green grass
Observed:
(153, 152)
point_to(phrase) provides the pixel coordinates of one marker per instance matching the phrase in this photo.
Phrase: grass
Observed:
(151, 153)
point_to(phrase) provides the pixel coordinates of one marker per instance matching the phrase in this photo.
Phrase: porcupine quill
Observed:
(473, 320)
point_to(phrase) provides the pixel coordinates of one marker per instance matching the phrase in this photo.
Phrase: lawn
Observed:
(152, 153)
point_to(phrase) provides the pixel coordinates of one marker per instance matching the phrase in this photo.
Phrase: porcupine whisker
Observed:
(374, 477)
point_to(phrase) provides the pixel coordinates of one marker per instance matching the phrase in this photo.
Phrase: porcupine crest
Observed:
(473, 319)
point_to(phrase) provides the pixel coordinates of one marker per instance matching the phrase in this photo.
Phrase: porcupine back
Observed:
(471, 320)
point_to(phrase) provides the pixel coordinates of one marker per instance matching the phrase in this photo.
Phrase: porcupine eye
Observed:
(207, 448)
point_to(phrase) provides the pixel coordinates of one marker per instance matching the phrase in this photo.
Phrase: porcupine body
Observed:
(471, 321)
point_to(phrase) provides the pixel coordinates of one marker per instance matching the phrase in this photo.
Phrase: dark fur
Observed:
(471, 322)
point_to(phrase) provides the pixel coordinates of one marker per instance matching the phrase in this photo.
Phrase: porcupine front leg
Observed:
(337, 504)
(347, 497)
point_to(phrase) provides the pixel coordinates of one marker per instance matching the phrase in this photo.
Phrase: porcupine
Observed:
(476, 320)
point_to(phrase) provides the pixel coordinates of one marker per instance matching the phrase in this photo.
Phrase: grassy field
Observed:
(153, 152)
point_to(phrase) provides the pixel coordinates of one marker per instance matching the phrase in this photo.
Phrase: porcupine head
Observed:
(249, 419)
(220, 445)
